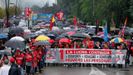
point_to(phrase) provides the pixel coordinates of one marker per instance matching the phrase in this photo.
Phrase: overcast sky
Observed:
(26, 3)
(29, 3)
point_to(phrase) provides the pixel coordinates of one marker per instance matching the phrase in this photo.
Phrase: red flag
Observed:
(75, 20)
(28, 11)
(125, 23)
(52, 22)
(60, 15)
(123, 29)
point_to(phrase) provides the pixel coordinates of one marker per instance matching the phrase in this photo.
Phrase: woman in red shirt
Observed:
(29, 58)
(19, 57)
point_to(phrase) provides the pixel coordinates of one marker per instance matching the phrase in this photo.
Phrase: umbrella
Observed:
(38, 32)
(31, 35)
(3, 36)
(64, 40)
(52, 36)
(102, 36)
(41, 43)
(59, 37)
(17, 38)
(87, 35)
(78, 35)
(53, 32)
(100, 33)
(77, 40)
(55, 28)
(15, 44)
(117, 40)
(16, 30)
(70, 33)
(42, 38)
(27, 31)
(51, 41)
(97, 38)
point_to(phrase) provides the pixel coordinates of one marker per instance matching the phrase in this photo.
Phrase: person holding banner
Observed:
(90, 44)
(105, 45)
(97, 45)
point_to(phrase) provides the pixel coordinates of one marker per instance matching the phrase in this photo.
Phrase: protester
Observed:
(14, 70)
(19, 60)
(4, 70)
(29, 59)
(97, 45)
(39, 58)
(90, 44)
(5, 57)
(19, 56)
(34, 61)
(105, 45)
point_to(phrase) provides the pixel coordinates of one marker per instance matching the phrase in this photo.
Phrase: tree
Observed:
(13, 10)
(2, 13)
(91, 10)
(50, 9)
(35, 8)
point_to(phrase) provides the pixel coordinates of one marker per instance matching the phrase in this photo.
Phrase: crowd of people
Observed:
(26, 62)
(32, 59)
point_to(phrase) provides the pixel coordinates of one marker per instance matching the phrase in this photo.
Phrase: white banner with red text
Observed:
(92, 56)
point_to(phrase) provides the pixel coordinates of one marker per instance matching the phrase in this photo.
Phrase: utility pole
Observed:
(7, 2)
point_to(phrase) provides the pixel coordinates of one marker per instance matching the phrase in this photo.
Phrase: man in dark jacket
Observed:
(14, 70)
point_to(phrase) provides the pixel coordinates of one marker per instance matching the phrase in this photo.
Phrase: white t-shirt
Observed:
(4, 70)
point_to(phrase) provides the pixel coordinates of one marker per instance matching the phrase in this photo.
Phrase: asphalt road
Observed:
(86, 71)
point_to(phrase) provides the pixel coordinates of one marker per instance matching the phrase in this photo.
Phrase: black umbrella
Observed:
(97, 38)
(78, 35)
(15, 44)
(59, 37)
(16, 30)
(77, 40)
(52, 36)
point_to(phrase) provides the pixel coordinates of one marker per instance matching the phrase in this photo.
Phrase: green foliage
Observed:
(14, 11)
(90, 10)
(2, 13)
(35, 8)
(50, 9)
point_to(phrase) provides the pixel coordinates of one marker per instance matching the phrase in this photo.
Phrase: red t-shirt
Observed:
(28, 57)
(91, 44)
(35, 53)
(19, 59)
